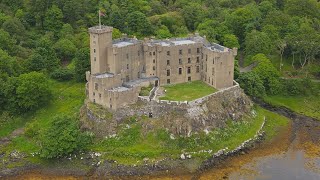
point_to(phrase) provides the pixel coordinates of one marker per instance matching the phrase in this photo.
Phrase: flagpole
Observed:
(99, 19)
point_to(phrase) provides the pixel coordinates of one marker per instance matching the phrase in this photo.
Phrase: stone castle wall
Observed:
(185, 118)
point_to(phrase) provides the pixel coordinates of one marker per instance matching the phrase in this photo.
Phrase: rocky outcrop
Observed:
(180, 118)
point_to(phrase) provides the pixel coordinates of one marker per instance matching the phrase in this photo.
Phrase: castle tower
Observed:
(100, 47)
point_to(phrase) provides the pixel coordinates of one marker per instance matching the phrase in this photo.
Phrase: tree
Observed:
(139, 24)
(7, 43)
(303, 8)
(62, 138)
(116, 33)
(192, 14)
(15, 28)
(244, 20)
(44, 58)
(65, 49)
(231, 41)
(82, 64)
(257, 42)
(32, 91)
(53, 20)
(163, 32)
(267, 73)
(252, 84)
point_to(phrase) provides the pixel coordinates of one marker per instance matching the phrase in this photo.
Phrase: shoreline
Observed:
(166, 167)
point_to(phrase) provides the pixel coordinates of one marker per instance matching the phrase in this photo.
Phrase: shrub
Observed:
(252, 84)
(62, 138)
(62, 74)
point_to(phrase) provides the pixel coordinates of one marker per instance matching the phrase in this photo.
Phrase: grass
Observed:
(187, 91)
(131, 147)
(68, 98)
(306, 105)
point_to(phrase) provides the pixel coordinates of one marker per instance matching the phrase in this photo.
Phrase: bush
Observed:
(62, 138)
(252, 84)
(62, 74)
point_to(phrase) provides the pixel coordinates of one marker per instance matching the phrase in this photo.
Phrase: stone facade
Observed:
(121, 67)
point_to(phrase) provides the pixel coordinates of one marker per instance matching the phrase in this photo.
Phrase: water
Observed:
(293, 155)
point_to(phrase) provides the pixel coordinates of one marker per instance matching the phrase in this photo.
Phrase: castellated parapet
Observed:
(119, 68)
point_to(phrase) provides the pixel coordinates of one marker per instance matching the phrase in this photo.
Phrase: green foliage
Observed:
(139, 24)
(31, 91)
(15, 28)
(82, 64)
(53, 20)
(7, 43)
(116, 33)
(252, 84)
(163, 33)
(62, 138)
(257, 42)
(65, 49)
(267, 73)
(62, 74)
(230, 41)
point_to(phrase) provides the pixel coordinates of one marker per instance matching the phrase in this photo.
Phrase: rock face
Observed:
(180, 118)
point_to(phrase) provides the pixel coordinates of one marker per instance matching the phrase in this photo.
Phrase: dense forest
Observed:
(48, 39)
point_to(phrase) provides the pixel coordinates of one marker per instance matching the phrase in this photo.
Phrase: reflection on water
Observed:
(289, 166)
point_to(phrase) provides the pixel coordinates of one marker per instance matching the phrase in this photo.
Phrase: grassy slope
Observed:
(68, 98)
(187, 91)
(308, 106)
(130, 147)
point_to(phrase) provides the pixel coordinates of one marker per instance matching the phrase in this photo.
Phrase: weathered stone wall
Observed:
(184, 118)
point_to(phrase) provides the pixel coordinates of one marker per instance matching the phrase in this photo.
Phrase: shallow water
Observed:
(294, 154)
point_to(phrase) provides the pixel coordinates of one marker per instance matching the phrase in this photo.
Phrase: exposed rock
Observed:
(183, 157)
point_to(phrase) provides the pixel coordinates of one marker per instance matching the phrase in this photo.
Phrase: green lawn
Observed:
(187, 91)
(307, 105)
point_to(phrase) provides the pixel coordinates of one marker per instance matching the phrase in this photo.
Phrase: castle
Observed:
(119, 68)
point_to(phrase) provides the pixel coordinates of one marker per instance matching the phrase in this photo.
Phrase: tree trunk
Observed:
(292, 64)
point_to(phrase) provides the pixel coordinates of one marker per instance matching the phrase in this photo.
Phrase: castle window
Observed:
(127, 56)
(180, 61)
(206, 68)
(168, 72)
(213, 71)
(154, 53)
(209, 79)
(212, 82)
(154, 61)
(198, 59)
(94, 50)
(154, 68)
(189, 51)
(150, 53)
(168, 81)
(206, 57)
(198, 50)
(94, 93)
(189, 60)
(127, 66)
(221, 63)
(168, 62)
(110, 106)
(180, 70)
(94, 100)
(229, 73)
(213, 61)
(168, 53)
(95, 58)
(180, 51)
(96, 86)
(99, 95)
(189, 79)
(189, 70)
(198, 69)
(201, 55)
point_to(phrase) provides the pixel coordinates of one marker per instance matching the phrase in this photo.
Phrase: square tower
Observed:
(100, 48)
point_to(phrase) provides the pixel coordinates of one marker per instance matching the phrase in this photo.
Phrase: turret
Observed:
(100, 48)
